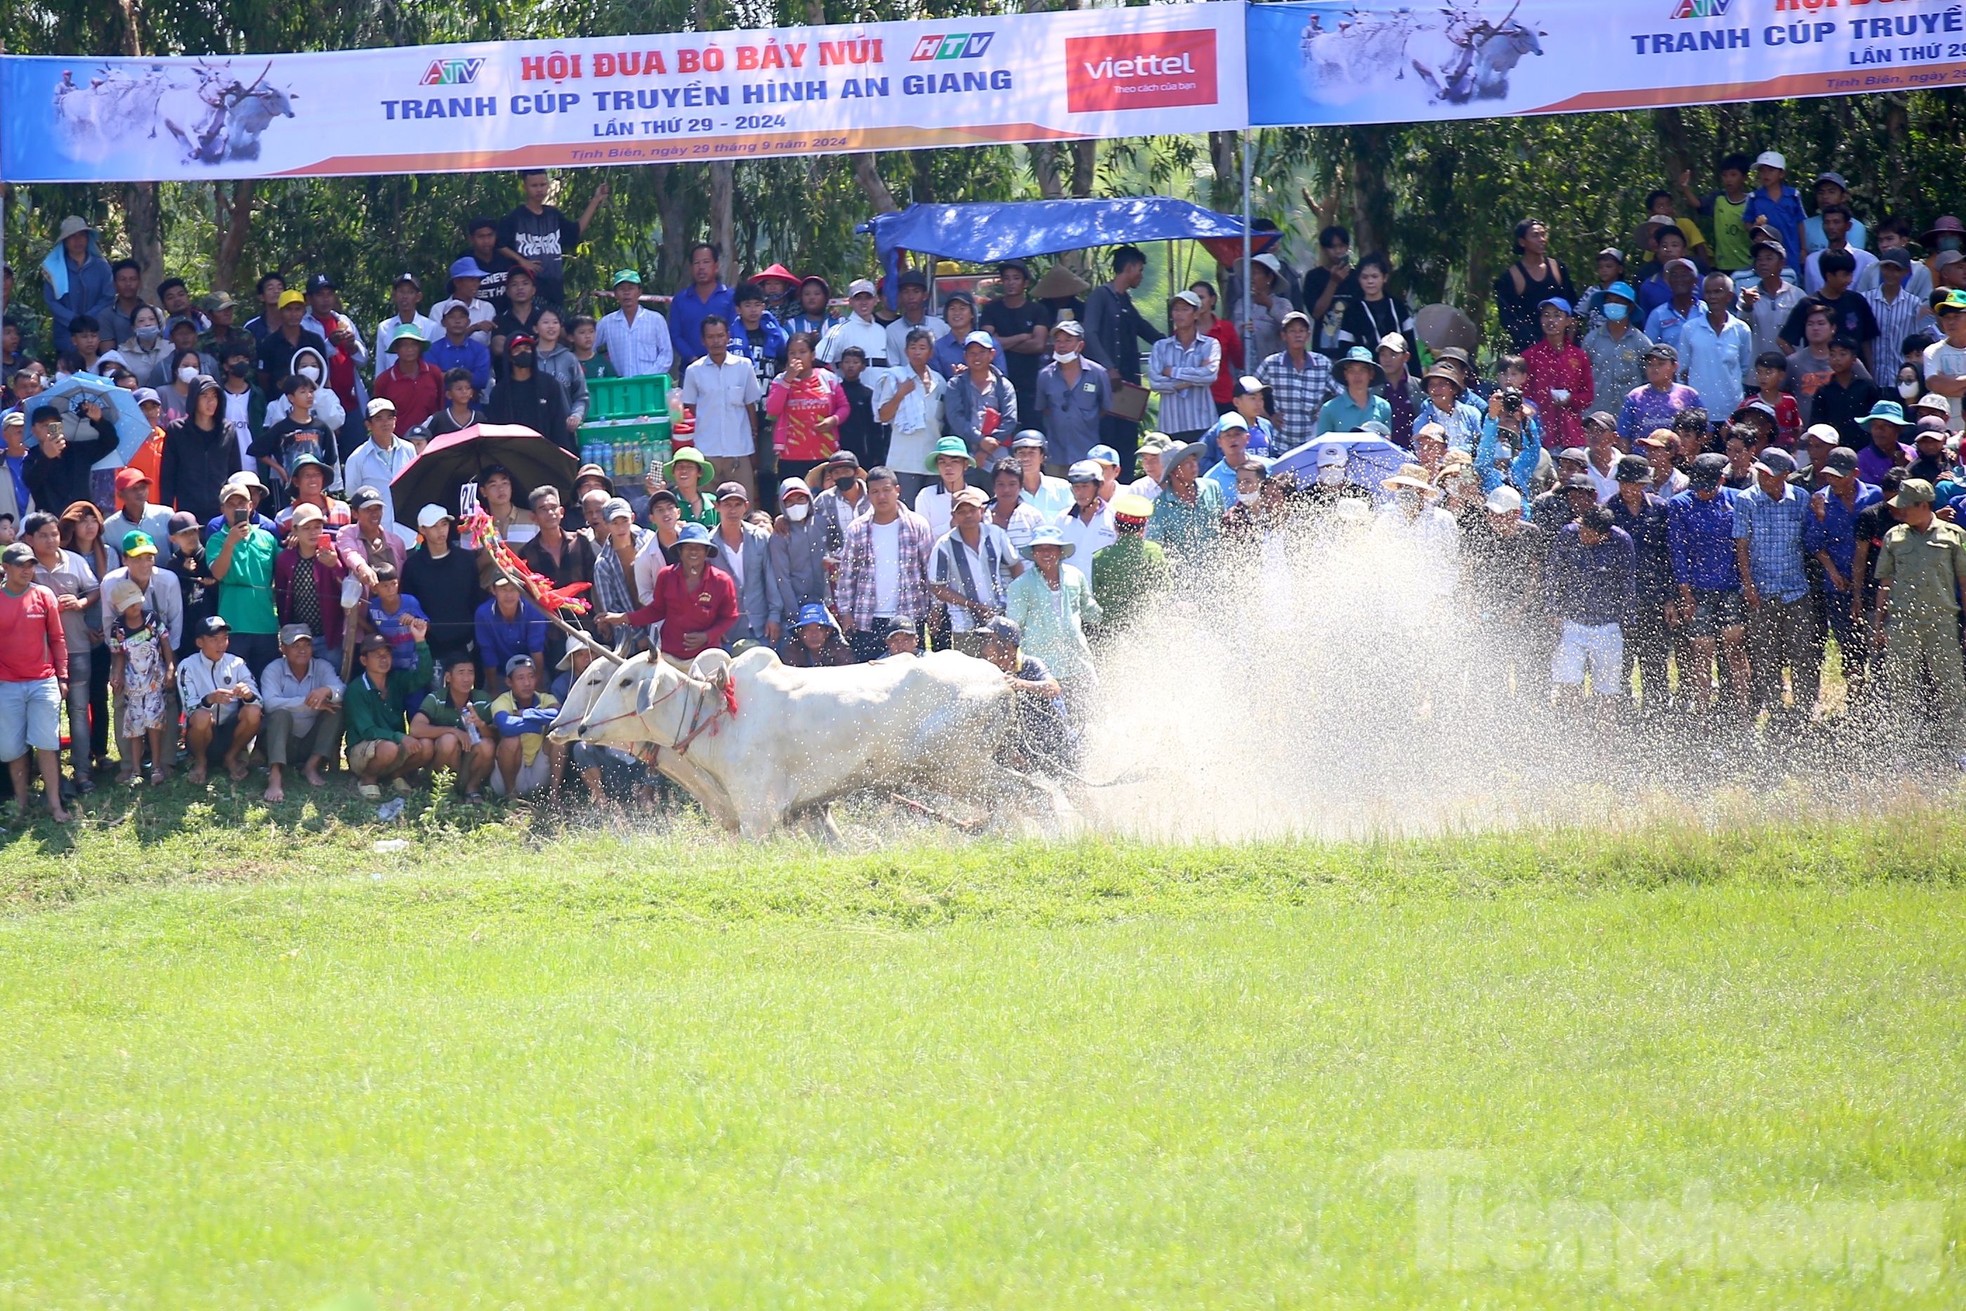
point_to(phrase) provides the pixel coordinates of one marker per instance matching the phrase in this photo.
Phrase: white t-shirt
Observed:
(935, 504)
(237, 409)
(1943, 357)
(887, 567)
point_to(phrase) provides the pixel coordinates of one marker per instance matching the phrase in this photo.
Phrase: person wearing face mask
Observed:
(527, 397)
(242, 407)
(144, 350)
(280, 352)
(1616, 346)
(174, 385)
(797, 553)
(1947, 235)
(311, 365)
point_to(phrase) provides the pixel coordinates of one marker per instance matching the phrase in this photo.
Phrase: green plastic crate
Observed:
(643, 397)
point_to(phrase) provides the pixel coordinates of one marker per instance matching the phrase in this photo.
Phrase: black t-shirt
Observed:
(491, 287)
(448, 590)
(507, 323)
(200, 601)
(1001, 320)
(1849, 316)
(1325, 330)
(549, 237)
(861, 432)
(276, 356)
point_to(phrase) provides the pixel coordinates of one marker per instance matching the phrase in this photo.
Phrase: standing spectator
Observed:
(813, 314)
(1526, 284)
(1945, 359)
(76, 588)
(1020, 326)
(413, 386)
(1073, 395)
(1329, 289)
(1849, 314)
(636, 341)
(1716, 350)
(1616, 346)
(302, 695)
(1114, 330)
(521, 313)
(556, 360)
(1299, 379)
(1899, 312)
(443, 575)
(1088, 522)
(1052, 602)
(56, 471)
(307, 579)
(1770, 299)
(81, 534)
(161, 592)
(390, 613)
(1401, 390)
(911, 398)
(1770, 521)
(1010, 508)
(560, 557)
(529, 398)
(1268, 303)
(1830, 535)
(912, 297)
(947, 354)
(143, 347)
(807, 406)
(136, 513)
(469, 276)
(1832, 192)
(1838, 223)
(743, 551)
(1846, 401)
(118, 318)
(298, 433)
(1182, 369)
(1723, 209)
(858, 329)
(1770, 388)
(976, 407)
(1560, 384)
(798, 551)
(706, 295)
(76, 280)
(1776, 204)
(883, 578)
(193, 571)
(221, 703)
(971, 569)
(1590, 583)
(242, 561)
(378, 461)
(1700, 537)
(1375, 313)
(1661, 398)
(141, 669)
(694, 602)
(457, 351)
(537, 237)
(1920, 568)
(757, 336)
(1358, 403)
(279, 349)
(1049, 496)
(34, 679)
(406, 294)
(724, 394)
(1648, 642)
(1895, 234)
(1670, 310)
(622, 552)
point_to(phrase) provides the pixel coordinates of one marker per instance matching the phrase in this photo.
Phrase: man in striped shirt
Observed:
(1182, 368)
(635, 340)
(1898, 312)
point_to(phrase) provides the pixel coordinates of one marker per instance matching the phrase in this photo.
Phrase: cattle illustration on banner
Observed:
(209, 112)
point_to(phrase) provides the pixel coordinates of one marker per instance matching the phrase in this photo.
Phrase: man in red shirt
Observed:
(33, 678)
(693, 600)
(415, 385)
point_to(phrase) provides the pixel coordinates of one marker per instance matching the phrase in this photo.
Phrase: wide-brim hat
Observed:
(690, 534)
(690, 455)
(1048, 535)
(1060, 283)
(955, 448)
(72, 225)
(1359, 355)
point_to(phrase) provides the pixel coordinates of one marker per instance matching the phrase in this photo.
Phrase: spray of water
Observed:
(1341, 678)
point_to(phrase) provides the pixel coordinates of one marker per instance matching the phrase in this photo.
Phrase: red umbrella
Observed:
(434, 477)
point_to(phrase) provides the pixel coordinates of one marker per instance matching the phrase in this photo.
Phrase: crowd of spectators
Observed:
(1684, 477)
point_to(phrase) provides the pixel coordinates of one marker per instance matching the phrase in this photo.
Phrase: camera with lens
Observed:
(1511, 401)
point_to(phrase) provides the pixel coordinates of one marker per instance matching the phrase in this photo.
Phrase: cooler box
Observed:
(642, 397)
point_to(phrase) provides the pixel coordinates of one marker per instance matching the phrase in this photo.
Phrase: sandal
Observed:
(368, 792)
(401, 787)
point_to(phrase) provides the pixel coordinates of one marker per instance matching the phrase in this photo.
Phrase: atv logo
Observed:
(1701, 8)
(452, 72)
(960, 45)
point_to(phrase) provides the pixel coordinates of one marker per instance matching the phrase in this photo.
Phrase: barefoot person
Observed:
(33, 678)
(303, 711)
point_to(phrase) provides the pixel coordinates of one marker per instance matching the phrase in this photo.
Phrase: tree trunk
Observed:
(1675, 150)
(1044, 167)
(1226, 193)
(143, 217)
(722, 186)
(672, 207)
(1085, 166)
(1897, 128)
(867, 172)
(233, 216)
(1370, 154)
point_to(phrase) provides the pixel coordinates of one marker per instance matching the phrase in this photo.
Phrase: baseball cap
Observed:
(1837, 178)
(732, 491)
(913, 278)
(291, 633)
(1232, 420)
(306, 513)
(129, 476)
(1823, 432)
(1707, 470)
(320, 282)
(1898, 255)
(364, 497)
(793, 487)
(626, 275)
(1104, 455)
(1392, 341)
(1841, 462)
(519, 339)
(124, 594)
(376, 642)
(464, 266)
(407, 276)
(17, 553)
(1071, 328)
(1576, 453)
(1776, 461)
(214, 625)
(617, 508)
(1085, 471)
(1186, 298)
(1633, 469)
(138, 543)
(183, 522)
(519, 661)
(983, 339)
(1602, 420)
(1772, 159)
(431, 515)
(1579, 482)
(1929, 427)
(1251, 385)
(1660, 351)
(859, 287)
(381, 405)
(1027, 439)
(146, 396)
(970, 496)
(290, 297)
(1504, 500)
(1612, 252)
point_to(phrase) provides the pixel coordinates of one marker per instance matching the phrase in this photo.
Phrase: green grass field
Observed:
(255, 1066)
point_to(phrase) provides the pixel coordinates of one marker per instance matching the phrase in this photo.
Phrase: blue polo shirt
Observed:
(1700, 537)
(687, 311)
(499, 638)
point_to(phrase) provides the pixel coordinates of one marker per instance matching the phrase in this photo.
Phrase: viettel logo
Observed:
(452, 72)
(1147, 71)
(959, 45)
(1701, 8)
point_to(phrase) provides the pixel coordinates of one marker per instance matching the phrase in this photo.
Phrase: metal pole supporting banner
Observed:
(1248, 273)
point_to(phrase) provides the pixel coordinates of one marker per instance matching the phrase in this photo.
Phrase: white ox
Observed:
(679, 769)
(801, 738)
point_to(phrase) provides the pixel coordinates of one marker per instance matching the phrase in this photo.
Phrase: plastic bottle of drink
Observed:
(603, 452)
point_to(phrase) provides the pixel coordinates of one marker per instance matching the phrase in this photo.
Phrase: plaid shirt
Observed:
(854, 590)
(1296, 394)
(1774, 531)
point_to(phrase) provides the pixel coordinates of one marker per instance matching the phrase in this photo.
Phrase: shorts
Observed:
(224, 732)
(362, 754)
(1601, 647)
(30, 716)
(530, 778)
(1713, 610)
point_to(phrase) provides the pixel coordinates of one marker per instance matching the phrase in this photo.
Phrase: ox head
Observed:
(581, 697)
(619, 715)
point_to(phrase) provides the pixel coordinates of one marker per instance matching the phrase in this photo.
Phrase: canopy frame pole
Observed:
(1248, 270)
(3, 254)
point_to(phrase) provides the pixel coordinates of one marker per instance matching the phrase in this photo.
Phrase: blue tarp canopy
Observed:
(988, 232)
